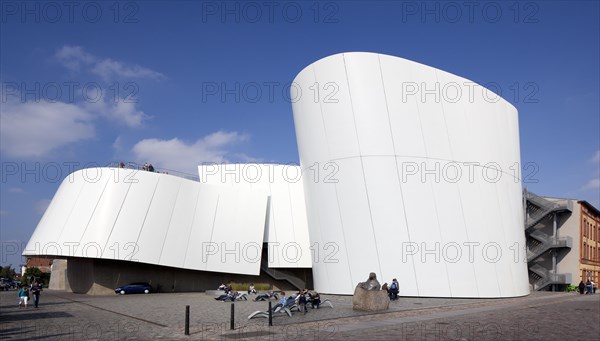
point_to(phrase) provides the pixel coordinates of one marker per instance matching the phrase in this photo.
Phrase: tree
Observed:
(34, 273)
(7, 272)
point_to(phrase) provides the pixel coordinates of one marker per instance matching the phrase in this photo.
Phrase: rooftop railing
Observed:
(137, 166)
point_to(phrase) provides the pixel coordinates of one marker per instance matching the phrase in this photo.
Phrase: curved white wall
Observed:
(286, 228)
(392, 135)
(154, 218)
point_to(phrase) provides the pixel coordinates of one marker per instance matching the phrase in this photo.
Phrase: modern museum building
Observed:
(405, 170)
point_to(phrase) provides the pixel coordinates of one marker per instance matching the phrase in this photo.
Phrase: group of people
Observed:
(229, 294)
(393, 289)
(587, 288)
(266, 296)
(148, 167)
(35, 289)
(302, 299)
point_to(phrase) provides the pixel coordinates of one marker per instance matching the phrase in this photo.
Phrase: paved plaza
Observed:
(67, 316)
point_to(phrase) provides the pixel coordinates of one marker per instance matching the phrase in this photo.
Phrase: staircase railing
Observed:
(548, 278)
(547, 244)
(282, 276)
(538, 208)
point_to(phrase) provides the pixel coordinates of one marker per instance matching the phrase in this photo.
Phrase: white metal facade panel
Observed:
(336, 107)
(287, 226)
(123, 241)
(45, 240)
(95, 181)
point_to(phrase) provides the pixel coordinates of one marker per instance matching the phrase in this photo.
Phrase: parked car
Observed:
(7, 284)
(134, 288)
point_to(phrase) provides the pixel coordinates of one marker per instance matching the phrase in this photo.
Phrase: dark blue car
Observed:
(134, 288)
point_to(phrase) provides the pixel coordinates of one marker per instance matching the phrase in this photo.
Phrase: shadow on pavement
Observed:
(31, 314)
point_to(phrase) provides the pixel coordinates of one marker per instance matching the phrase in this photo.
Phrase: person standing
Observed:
(36, 290)
(588, 287)
(394, 289)
(23, 296)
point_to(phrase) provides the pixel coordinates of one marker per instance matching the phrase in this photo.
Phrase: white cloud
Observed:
(16, 190)
(75, 58)
(72, 57)
(120, 111)
(33, 130)
(593, 184)
(178, 155)
(109, 69)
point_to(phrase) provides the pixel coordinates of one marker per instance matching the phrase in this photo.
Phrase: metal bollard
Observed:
(232, 316)
(187, 320)
(270, 315)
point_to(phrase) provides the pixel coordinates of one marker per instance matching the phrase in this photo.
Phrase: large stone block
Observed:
(370, 300)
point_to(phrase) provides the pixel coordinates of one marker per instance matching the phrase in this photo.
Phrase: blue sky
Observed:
(180, 83)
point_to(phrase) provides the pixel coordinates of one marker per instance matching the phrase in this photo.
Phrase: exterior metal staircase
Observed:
(537, 209)
(545, 277)
(281, 275)
(544, 242)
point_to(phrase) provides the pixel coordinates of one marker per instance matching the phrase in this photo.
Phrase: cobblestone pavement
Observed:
(67, 316)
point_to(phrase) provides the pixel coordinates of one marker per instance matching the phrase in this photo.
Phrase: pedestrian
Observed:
(36, 289)
(581, 287)
(394, 289)
(23, 296)
(588, 287)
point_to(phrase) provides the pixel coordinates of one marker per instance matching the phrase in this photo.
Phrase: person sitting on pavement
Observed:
(230, 296)
(251, 289)
(264, 297)
(222, 297)
(316, 300)
(291, 300)
(302, 301)
(282, 303)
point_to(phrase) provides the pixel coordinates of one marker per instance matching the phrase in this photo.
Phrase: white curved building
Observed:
(407, 171)
(421, 183)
